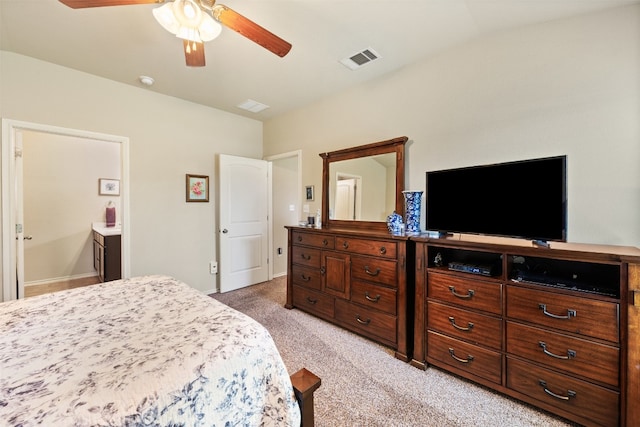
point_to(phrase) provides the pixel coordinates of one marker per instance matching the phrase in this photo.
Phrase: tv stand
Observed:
(557, 328)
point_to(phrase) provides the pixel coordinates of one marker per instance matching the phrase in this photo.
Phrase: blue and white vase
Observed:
(412, 206)
(394, 223)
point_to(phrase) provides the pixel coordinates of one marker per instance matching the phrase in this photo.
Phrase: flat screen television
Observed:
(525, 199)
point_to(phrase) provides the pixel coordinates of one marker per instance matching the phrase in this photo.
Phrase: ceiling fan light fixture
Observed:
(186, 20)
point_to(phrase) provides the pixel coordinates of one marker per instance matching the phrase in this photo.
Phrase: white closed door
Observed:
(244, 222)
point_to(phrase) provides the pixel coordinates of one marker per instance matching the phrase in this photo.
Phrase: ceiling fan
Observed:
(197, 21)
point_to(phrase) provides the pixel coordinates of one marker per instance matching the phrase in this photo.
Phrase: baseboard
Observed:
(60, 279)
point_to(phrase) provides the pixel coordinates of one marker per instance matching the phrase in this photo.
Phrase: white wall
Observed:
(570, 87)
(169, 138)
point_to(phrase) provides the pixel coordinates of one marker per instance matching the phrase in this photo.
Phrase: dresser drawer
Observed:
(313, 239)
(366, 321)
(374, 270)
(307, 277)
(573, 355)
(584, 399)
(313, 302)
(467, 325)
(305, 256)
(466, 292)
(592, 318)
(379, 248)
(374, 296)
(478, 361)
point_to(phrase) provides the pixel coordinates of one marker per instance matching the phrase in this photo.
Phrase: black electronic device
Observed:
(483, 270)
(525, 199)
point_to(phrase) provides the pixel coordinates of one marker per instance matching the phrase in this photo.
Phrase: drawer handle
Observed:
(305, 278)
(325, 242)
(570, 353)
(375, 299)
(311, 300)
(570, 313)
(371, 273)
(460, 328)
(383, 250)
(323, 270)
(362, 322)
(305, 256)
(299, 238)
(570, 393)
(345, 244)
(467, 360)
(469, 294)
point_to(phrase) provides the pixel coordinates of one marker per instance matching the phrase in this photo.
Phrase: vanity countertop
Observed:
(101, 227)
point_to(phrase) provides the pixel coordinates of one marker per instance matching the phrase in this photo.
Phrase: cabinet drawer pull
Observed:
(460, 328)
(570, 353)
(362, 322)
(311, 300)
(345, 244)
(570, 313)
(375, 299)
(570, 393)
(371, 273)
(325, 242)
(305, 278)
(467, 360)
(469, 294)
(299, 238)
(323, 270)
(305, 256)
(383, 250)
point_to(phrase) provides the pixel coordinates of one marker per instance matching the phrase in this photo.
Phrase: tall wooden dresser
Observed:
(355, 279)
(557, 327)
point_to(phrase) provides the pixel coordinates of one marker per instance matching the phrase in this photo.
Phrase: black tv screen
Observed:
(525, 199)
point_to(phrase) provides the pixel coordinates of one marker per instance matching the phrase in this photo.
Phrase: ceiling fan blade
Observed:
(251, 30)
(193, 53)
(81, 4)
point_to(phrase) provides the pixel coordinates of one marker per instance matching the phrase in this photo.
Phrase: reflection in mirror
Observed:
(362, 185)
(363, 189)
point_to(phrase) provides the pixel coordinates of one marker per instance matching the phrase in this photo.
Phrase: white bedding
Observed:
(148, 351)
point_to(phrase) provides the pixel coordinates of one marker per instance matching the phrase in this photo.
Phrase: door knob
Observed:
(225, 231)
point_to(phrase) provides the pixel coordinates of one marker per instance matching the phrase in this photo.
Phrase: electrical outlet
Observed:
(213, 267)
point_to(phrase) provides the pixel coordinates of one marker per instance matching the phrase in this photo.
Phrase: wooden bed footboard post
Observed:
(305, 383)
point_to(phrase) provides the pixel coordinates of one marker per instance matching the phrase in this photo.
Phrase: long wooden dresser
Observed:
(355, 279)
(556, 327)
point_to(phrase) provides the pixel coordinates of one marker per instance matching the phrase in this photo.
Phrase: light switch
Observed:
(292, 208)
(305, 208)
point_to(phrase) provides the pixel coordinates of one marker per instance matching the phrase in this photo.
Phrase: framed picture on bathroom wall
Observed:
(197, 188)
(108, 187)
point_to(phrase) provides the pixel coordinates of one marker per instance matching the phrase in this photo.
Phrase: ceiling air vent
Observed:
(359, 59)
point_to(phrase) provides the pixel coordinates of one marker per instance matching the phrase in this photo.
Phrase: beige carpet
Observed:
(363, 384)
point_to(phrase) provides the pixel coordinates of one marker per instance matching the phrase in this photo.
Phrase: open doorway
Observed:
(286, 204)
(68, 151)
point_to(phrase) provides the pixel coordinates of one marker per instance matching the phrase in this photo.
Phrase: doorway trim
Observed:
(9, 130)
(298, 155)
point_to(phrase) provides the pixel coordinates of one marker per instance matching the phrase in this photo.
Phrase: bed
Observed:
(142, 351)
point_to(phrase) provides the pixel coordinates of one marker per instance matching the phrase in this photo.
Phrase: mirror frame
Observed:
(395, 145)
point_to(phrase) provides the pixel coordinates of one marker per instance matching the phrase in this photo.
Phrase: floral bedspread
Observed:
(147, 351)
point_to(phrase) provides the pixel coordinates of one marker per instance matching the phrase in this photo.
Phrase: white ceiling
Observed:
(124, 42)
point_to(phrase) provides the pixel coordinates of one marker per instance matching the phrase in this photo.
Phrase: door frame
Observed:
(298, 155)
(9, 256)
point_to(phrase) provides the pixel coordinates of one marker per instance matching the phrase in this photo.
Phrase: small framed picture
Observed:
(309, 192)
(197, 188)
(108, 187)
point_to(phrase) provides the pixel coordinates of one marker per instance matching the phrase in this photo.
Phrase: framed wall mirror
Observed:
(362, 185)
